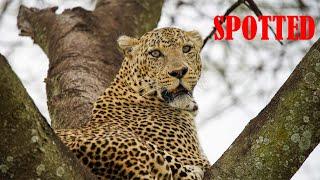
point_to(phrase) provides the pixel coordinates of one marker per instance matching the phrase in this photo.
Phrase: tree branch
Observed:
(276, 142)
(251, 5)
(82, 51)
(227, 13)
(254, 7)
(29, 148)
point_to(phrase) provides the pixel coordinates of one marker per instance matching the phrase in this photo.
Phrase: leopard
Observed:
(143, 126)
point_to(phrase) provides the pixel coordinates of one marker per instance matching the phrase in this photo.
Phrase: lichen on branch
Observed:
(29, 148)
(276, 142)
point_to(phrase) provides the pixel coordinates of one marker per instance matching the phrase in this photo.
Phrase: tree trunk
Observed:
(276, 142)
(29, 148)
(83, 60)
(82, 51)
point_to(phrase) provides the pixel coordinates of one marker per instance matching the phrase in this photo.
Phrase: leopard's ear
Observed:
(196, 38)
(126, 43)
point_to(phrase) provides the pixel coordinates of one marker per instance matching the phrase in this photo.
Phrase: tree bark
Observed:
(29, 148)
(82, 51)
(276, 142)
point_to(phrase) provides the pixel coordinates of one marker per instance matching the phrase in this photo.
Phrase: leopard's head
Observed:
(164, 63)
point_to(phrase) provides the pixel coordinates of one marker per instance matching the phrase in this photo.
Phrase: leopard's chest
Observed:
(169, 129)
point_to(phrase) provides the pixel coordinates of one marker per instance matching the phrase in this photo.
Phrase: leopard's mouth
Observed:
(169, 96)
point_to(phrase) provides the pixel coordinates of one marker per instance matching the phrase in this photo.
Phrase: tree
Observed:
(83, 58)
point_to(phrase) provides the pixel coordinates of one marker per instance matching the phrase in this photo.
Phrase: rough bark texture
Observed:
(82, 51)
(29, 148)
(276, 143)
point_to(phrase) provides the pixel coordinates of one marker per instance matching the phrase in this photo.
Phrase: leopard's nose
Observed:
(179, 73)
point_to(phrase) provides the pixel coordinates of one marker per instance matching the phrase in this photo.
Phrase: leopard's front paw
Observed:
(196, 172)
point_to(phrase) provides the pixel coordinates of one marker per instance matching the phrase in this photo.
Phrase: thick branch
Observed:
(29, 149)
(82, 51)
(276, 143)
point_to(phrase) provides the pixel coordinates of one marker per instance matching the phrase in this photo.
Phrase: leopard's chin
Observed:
(180, 98)
(170, 95)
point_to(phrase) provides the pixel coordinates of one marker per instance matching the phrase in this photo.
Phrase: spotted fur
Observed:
(135, 133)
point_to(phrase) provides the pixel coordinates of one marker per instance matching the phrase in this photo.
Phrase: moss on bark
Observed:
(276, 142)
(29, 149)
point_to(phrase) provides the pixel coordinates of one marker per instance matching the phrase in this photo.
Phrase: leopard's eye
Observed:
(186, 48)
(155, 53)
